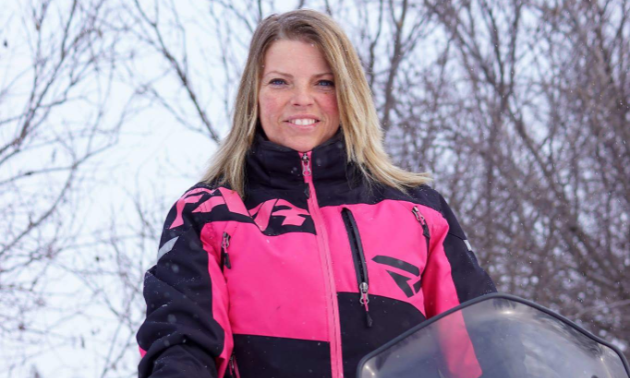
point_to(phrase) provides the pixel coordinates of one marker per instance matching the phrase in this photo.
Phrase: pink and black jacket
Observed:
(311, 271)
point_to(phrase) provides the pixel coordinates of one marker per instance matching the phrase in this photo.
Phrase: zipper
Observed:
(306, 172)
(360, 266)
(424, 224)
(336, 361)
(225, 257)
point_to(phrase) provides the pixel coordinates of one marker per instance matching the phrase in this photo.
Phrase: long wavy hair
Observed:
(359, 120)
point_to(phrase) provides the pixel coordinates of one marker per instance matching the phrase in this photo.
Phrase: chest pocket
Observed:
(389, 245)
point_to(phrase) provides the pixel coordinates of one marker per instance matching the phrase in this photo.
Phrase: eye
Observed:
(277, 81)
(326, 83)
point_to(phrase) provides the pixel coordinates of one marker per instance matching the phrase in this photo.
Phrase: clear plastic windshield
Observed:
(495, 338)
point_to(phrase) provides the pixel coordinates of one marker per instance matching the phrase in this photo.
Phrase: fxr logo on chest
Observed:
(261, 214)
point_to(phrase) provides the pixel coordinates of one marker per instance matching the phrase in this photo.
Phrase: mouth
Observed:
(303, 121)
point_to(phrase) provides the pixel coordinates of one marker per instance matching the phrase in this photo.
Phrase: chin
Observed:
(304, 144)
(300, 143)
(303, 147)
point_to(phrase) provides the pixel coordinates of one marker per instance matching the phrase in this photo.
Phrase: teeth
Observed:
(303, 121)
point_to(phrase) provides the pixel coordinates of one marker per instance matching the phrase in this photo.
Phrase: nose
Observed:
(302, 96)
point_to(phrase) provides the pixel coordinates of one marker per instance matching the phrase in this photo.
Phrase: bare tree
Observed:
(528, 128)
(54, 123)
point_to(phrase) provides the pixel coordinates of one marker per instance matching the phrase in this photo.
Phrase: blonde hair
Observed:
(359, 120)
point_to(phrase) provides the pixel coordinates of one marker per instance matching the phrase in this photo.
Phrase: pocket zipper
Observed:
(424, 224)
(359, 262)
(225, 257)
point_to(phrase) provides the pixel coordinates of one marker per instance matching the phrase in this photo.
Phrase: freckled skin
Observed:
(297, 81)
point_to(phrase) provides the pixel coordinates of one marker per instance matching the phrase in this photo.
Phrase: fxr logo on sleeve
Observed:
(227, 197)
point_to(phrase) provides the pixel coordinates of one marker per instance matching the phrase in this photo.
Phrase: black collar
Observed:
(272, 166)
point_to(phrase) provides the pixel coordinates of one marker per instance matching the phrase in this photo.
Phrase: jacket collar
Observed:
(272, 166)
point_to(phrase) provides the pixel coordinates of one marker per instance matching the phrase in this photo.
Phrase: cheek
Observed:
(268, 107)
(329, 105)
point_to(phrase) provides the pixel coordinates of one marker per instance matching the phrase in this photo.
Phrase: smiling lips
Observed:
(302, 121)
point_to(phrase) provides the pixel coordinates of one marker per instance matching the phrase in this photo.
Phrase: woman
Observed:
(303, 248)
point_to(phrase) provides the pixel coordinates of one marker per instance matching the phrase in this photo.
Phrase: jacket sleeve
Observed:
(452, 275)
(185, 333)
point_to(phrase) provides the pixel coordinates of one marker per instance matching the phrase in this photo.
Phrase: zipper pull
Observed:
(364, 300)
(422, 221)
(425, 226)
(224, 254)
(306, 165)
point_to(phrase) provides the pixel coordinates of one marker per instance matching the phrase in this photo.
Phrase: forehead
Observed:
(295, 56)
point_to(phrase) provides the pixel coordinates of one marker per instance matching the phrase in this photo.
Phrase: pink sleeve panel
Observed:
(440, 296)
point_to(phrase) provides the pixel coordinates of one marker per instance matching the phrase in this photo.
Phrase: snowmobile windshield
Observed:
(496, 336)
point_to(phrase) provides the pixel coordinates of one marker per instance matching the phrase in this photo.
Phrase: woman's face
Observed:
(297, 100)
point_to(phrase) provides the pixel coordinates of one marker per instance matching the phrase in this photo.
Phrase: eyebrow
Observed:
(291, 76)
